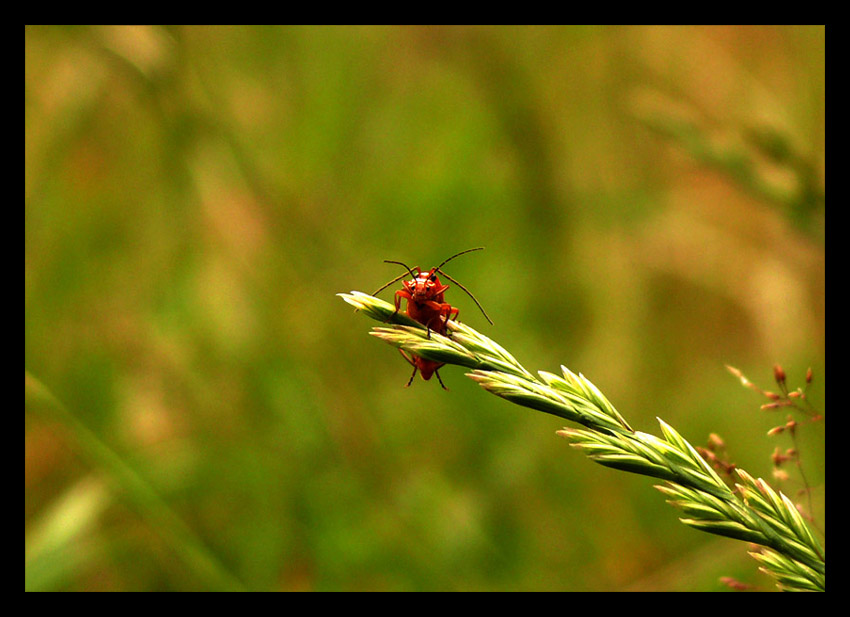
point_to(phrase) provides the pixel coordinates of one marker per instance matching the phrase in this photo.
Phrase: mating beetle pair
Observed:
(425, 296)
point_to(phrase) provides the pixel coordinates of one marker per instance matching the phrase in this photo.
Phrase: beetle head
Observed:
(426, 286)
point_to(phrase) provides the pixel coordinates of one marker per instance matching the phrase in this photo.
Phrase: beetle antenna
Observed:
(480, 248)
(390, 261)
(468, 293)
(398, 278)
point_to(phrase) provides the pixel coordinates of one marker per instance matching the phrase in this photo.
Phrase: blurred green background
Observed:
(202, 411)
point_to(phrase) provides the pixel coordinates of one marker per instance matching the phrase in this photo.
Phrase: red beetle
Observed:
(425, 296)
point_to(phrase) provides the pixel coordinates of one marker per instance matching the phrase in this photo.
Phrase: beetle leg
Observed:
(406, 357)
(449, 309)
(446, 312)
(428, 327)
(437, 373)
(401, 293)
(412, 363)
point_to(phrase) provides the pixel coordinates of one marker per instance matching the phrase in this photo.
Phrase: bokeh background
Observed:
(203, 412)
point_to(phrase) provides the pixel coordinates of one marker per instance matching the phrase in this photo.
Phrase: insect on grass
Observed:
(426, 304)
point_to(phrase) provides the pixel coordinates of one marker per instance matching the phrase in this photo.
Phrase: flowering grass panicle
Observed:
(750, 510)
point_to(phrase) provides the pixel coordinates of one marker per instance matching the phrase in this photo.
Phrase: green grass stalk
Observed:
(752, 511)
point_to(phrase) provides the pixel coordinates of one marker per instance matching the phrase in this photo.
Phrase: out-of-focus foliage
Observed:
(204, 413)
